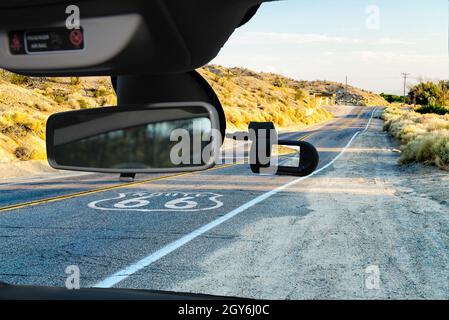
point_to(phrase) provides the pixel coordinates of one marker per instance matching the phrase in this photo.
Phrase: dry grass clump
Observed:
(23, 115)
(425, 137)
(23, 135)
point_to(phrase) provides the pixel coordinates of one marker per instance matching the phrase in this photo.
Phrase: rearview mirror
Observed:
(166, 137)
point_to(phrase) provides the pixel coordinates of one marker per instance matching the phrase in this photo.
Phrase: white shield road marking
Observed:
(159, 202)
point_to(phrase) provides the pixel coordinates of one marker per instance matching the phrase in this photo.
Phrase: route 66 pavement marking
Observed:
(144, 201)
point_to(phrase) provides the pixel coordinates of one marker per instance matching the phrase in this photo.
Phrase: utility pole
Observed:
(405, 75)
(444, 88)
(346, 85)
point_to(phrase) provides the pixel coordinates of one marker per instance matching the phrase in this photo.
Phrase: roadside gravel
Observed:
(366, 211)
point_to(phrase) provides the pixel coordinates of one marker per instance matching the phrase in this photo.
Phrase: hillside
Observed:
(26, 103)
(249, 96)
(263, 95)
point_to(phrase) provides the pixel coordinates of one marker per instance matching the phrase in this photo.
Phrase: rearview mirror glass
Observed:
(171, 137)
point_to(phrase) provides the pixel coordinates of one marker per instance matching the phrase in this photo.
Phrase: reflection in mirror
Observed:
(139, 147)
(287, 156)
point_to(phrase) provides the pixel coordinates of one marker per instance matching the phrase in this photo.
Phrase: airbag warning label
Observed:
(43, 41)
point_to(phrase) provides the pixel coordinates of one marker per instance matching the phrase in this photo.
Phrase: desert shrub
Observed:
(432, 109)
(277, 82)
(59, 98)
(41, 106)
(424, 137)
(22, 119)
(391, 98)
(432, 148)
(441, 149)
(300, 95)
(23, 153)
(101, 92)
(75, 81)
(84, 104)
(19, 79)
(429, 93)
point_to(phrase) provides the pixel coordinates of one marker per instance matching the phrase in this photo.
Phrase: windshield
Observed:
(364, 83)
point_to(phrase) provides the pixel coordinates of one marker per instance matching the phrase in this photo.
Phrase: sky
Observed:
(370, 42)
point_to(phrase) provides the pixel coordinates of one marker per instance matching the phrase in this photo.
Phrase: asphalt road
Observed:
(154, 233)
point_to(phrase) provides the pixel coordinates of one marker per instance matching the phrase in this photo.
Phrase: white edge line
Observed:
(164, 251)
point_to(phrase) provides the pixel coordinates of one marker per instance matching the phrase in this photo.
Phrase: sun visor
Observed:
(116, 37)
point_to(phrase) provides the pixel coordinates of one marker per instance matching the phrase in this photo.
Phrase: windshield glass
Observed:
(364, 83)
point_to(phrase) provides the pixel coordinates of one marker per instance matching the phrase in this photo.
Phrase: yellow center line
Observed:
(346, 125)
(307, 136)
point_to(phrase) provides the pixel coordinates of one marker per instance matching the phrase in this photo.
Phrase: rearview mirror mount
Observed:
(305, 159)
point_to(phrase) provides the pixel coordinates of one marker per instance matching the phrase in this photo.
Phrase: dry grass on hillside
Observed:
(249, 96)
(425, 137)
(26, 103)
